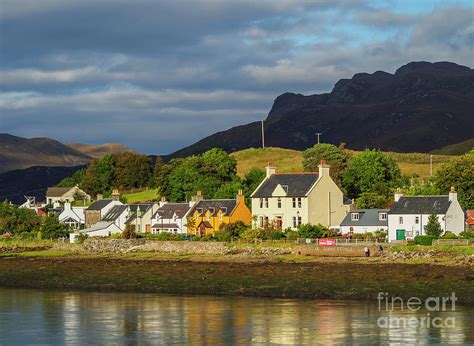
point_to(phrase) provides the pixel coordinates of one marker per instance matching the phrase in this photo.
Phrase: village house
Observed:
(365, 221)
(140, 216)
(171, 217)
(65, 194)
(100, 229)
(72, 216)
(118, 215)
(208, 215)
(97, 210)
(287, 200)
(409, 215)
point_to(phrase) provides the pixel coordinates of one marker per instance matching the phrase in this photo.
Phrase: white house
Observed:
(65, 194)
(118, 214)
(72, 216)
(171, 217)
(291, 199)
(97, 210)
(409, 214)
(364, 221)
(100, 229)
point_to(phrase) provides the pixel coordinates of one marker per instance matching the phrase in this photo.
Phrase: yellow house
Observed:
(207, 215)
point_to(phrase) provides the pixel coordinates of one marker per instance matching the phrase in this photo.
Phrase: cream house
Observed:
(290, 199)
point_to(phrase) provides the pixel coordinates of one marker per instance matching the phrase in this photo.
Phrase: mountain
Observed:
(421, 107)
(97, 151)
(18, 153)
(32, 181)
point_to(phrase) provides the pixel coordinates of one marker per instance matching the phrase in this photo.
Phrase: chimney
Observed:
(453, 195)
(398, 194)
(162, 201)
(99, 197)
(67, 206)
(353, 205)
(198, 196)
(271, 169)
(115, 195)
(323, 168)
(240, 196)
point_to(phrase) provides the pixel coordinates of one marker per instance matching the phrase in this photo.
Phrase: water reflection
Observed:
(32, 316)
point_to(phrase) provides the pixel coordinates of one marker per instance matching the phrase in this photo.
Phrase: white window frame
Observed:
(383, 216)
(279, 203)
(354, 216)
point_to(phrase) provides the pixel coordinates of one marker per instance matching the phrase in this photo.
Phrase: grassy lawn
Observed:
(142, 196)
(460, 250)
(287, 160)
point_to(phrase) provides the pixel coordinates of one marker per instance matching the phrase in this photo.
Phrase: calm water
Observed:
(47, 317)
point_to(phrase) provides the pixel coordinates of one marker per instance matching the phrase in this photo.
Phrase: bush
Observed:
(467, 235)
(449, 235)
(116, 236)
(313, 231)
(81, 238)
(228, 231)
(424, 240)
(129, 232)
(291, 235)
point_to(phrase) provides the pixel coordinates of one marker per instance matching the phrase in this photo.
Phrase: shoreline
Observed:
(320, 278)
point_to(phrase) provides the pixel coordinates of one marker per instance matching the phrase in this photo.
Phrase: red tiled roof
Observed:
(470, 217)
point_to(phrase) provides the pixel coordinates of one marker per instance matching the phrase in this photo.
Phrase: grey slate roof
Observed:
(100, 204)
(421, 205)
(367, 217)
(298, 184)
(115, 212)
(144, 207)
(167, 210)
(227, 205)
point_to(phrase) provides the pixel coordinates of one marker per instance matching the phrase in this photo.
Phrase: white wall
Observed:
(455, 218)
(362, 229)
(412, 229)
(287, 212)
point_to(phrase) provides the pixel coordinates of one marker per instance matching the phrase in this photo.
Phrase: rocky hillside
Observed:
(422, 107)
(18, 153)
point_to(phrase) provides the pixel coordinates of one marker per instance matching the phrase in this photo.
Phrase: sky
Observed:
(159, 75)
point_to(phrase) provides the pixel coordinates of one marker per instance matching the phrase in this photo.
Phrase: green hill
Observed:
(456, 149)
(287, 160)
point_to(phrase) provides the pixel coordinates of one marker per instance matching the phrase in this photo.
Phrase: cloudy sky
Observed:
(160, 75)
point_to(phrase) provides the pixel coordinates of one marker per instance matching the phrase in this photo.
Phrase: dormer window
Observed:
(382, 216)
(285, 187)
(355, 216)
(212, 210)
(224, 210)
(208, 216)
(220, 215)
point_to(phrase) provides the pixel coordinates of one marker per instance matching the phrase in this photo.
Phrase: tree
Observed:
(129, 232)
(17, 220)
(229, 190)
(334, 156)
(99, 175)
(371, 171)
(205, 173)
(369, 200)
(458, 173)
(76, 179)
(52, 229)
(433, 227)
(131, 170)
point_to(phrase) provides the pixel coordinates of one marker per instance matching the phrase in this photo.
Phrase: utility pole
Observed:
(431, 165)
(318, 134)
(263, 136)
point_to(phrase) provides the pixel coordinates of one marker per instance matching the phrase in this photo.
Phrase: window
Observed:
(293, 200)
(299, 220)
(220, 216)
(294, 222)
(355, 216)
(260, 222)
(417, 220)
(400, 220)
(279, 202)
(383, 216)
(299, 202)
(208, 216)
(266, 202)
(261, 202)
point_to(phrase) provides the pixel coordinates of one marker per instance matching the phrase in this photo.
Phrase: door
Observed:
(400, 234)
(279, 222)
(148, 228)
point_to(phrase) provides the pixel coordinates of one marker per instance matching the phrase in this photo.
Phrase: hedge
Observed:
(424, 239)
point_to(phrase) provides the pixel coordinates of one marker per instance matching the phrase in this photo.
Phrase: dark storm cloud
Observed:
(158, 75)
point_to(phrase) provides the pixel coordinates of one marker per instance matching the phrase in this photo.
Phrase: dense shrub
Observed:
(424, 240)
(129, 232)
(313, 231)
(228, 231)
(467, 235)
(81, 238)
(164, 236)
(449, 235)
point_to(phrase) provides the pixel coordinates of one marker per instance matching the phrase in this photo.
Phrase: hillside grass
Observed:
(456, 149)
(288, 160)
(142, 196)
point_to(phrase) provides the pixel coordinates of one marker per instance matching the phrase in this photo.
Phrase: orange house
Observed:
(209, 214)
